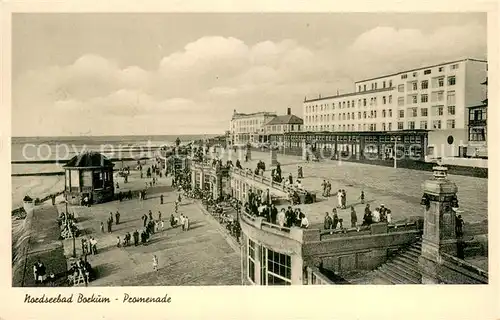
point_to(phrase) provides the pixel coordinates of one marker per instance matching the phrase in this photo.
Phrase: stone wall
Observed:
(363, 252)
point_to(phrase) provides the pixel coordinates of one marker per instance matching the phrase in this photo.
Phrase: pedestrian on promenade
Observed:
(136, 237)
(327, 224)
(161, 199)
(145, 220)
(186, 223)
(155, 263)
(328, 188)
(93, 242)
(344, 199)
(290, 179)
(117, 216)
(339, 199)
(181, 218)
(110, 221)
(300, 173)
(150, 215)
(323, 185)
(354, 218)
(179, 199)
(159, 215)
(335, 218)
(111, 217)
(362, 197)
(118, 242)
(162, 225)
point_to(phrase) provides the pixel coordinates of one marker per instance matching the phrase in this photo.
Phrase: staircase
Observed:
(402, 269)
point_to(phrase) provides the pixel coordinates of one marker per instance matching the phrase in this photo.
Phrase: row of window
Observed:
(424, 84)
(424, 98)
(424, 124)
(429, 71)
(411, 112)
(385, 84)
(347, 104)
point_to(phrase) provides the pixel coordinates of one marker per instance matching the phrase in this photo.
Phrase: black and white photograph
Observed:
(172, 150)
(249, 149)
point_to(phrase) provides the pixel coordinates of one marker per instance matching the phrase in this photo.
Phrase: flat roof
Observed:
(351, 94)
(420, 68)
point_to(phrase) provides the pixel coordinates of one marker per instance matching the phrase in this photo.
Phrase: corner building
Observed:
(436, 97)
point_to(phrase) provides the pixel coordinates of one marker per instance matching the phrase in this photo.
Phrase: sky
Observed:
(185, 73)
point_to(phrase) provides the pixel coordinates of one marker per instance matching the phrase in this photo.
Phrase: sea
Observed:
(64, 148)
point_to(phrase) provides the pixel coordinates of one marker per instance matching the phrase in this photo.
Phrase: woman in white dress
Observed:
(155, 263)
(281, 217)
(186, 223)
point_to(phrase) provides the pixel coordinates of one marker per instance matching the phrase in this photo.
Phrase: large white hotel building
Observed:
(434, 97)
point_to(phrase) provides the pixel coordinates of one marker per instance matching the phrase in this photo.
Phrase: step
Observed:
(398, 273)
(413, 270)
(380, 278)
(388, 276)
(410, 261)
(413, 253)
(409, 278)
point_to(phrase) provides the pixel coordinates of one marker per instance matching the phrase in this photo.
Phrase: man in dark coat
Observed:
(274, 213)
(327, 224)
(335, 218)
(117, 216)
(145, 220)
(136, 237)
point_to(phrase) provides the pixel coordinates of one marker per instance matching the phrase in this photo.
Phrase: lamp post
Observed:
(396, 138)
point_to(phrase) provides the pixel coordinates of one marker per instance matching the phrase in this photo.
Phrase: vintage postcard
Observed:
(181, 161)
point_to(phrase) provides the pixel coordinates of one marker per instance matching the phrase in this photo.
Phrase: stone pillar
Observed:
(439, 224)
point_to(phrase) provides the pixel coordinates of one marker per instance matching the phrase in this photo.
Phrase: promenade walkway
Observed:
(398, 189)
(200, 256)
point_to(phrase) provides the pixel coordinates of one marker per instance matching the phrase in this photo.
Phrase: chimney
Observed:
(288, 111)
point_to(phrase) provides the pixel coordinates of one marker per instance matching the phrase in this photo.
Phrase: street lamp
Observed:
(396, 139)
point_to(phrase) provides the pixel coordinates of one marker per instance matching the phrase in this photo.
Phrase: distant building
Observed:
(431, 98)
(283, 124)
(248, 127)
(478, 142)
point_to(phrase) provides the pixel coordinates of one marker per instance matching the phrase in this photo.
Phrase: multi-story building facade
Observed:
(256, 127)
(283, 124)
(432, 98)
(248, 127)
(477, 133)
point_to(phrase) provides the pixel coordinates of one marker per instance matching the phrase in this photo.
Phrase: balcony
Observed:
(258, 223)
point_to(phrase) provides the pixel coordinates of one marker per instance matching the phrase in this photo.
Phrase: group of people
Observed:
(82, 269)
(380, 214)
(89, 246)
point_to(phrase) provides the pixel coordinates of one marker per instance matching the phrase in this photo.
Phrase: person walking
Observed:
(354, 218)
(155, 263)
(159, 215)
(362, 197)
(145, 220)
(117, 216)
(102, 227)
(161, 199)
(136, 237)
(93, 242)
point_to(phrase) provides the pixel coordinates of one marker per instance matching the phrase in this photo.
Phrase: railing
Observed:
(266, 180)
(293, 233)
(378, 228)
(466, 265)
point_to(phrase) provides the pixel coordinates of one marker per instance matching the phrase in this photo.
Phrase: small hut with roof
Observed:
(89, 174)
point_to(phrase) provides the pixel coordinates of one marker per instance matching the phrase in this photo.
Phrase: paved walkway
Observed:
(399, 189)
(200, 256)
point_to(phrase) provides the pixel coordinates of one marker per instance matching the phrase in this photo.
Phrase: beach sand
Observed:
(35, 187)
